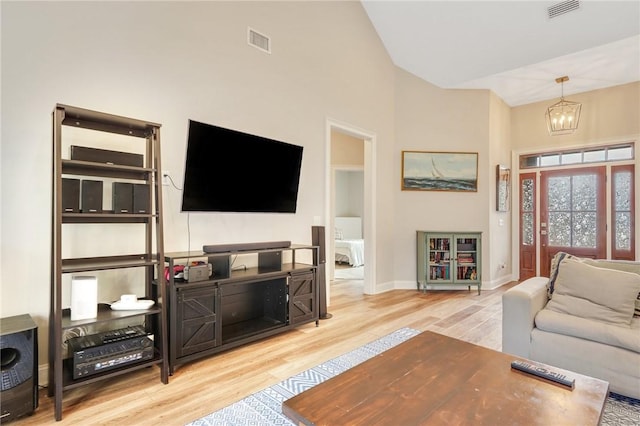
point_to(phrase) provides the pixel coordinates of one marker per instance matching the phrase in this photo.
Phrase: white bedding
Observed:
(350, 251)
(349, 245)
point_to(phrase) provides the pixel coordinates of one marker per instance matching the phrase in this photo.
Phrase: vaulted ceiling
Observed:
(513, 48)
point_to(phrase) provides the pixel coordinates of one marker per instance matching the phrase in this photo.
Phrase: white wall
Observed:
(499, 238)
(349, 193)
(432, 119)
(168, 62)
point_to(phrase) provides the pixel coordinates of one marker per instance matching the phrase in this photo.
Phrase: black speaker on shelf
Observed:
(70, 195)
(318, 239)
(91, 196)
(95, 155)
(141, 199)
(19, 368)
(122, 197)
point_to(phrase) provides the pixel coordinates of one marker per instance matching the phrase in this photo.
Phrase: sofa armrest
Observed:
(520, 304)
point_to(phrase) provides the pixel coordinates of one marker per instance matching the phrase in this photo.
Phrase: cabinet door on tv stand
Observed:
(303, 303)
(197, 321)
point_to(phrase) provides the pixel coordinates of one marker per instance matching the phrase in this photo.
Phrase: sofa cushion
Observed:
(620, 265)
(594, 293)
(596, 331)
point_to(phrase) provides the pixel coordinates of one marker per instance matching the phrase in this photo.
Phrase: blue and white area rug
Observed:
(265, 407)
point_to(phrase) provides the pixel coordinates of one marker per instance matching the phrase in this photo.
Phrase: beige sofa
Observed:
(581, 319)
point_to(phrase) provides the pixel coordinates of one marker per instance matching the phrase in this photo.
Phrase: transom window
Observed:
(618, 152)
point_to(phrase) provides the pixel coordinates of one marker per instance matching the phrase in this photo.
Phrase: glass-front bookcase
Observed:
(448, 259)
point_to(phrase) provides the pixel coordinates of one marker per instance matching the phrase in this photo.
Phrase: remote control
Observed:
(543, 373)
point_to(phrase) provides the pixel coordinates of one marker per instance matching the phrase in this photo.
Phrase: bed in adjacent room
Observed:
(349, 245)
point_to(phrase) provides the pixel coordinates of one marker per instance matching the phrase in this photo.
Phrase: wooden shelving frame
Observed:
(152, 260)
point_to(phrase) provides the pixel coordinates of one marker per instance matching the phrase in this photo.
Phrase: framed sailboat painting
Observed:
(439, 171)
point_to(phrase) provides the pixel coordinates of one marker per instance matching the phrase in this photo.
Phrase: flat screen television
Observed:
(231, 171)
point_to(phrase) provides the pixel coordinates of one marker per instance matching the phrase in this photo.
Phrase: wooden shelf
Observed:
(68, 382)
(106, 314)
(106, 262)
(106, 217)
(90, 168)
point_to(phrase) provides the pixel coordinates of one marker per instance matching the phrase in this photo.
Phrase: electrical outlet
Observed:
(165, 178)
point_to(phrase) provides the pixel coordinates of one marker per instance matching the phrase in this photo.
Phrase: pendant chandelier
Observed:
(563, 117)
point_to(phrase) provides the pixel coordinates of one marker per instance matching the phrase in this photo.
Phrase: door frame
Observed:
(515, 224)
(369, 218)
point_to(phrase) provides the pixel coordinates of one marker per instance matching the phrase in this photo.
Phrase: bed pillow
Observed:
(595, 293)
(339, 234)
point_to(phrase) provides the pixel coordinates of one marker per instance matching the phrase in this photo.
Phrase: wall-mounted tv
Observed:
(231, 171)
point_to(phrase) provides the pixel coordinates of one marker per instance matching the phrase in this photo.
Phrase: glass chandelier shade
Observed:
(563, 117)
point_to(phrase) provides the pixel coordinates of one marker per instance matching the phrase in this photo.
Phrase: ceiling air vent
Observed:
(259, 41)
(562, 8)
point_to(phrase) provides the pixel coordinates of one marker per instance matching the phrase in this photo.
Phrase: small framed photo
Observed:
(439, 171)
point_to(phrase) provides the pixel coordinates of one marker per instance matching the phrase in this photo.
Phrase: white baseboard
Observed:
(43, 375)
(384, 287)
(486, 285)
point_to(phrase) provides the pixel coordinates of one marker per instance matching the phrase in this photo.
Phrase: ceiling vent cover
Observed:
(563, 7)
(259, 41)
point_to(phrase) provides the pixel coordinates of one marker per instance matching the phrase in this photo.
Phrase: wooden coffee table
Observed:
(434, 379)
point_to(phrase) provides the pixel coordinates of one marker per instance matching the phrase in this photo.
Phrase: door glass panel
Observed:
(572, 203)
(527, 195)
(623, 191)
(622, 209)
(559, 193)
(583, 227)
(560, 229)
(527, 203)
(527, 229)
(623, 231)
(584, 194)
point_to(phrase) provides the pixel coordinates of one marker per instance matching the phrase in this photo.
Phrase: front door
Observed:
(572, 214)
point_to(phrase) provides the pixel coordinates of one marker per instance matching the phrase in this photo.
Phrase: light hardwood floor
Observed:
(200, 387)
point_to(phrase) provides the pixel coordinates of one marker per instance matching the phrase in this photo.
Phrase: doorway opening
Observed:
(350, 161)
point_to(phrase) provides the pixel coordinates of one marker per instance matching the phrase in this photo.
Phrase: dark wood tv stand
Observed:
(238, 305)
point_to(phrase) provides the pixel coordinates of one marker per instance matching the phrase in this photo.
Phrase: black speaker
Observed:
(19, 368)
(70, 195)
(141, 199)
(91, 196)
(318, 239)
(95, 155)
(122, 197)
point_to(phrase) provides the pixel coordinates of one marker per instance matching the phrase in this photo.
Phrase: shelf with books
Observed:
(448, 259)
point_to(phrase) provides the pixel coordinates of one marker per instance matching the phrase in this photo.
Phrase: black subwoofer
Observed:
(19, 367)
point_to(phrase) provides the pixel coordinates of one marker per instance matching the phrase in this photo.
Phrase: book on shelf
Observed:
(439, 272)
(465, 258)
(439, 243)
(467, 273)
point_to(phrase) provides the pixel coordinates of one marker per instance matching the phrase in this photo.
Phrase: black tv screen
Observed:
(231, 171)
